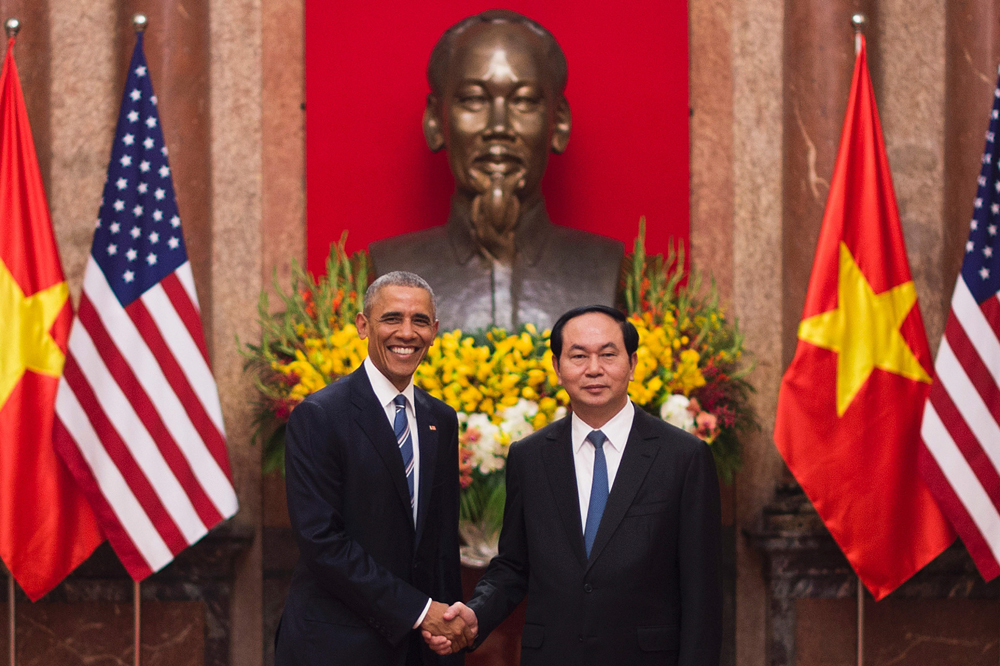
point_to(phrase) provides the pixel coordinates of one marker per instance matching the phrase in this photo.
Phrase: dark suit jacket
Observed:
(650, 591)
(364, 571)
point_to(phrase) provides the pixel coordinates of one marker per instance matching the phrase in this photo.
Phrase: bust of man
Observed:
(497, 106)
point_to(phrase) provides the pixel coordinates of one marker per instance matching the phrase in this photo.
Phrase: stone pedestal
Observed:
(812, 600)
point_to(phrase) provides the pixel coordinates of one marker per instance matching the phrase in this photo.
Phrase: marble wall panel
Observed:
(83, 99)
(100, 634)
(32, 56)
(819, 62)
(972, 50)
(910, 92)
(176, 45)
(898, 632)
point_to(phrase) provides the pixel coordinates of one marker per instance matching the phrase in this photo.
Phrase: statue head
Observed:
(497, 106)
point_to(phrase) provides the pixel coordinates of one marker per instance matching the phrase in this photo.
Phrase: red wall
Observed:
(369, 171)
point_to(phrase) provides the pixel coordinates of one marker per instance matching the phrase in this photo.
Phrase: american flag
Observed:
(961, 425)
(138, 419)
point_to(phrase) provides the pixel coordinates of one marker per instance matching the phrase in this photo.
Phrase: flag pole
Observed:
(12, 26)
(858, 23)
(139, 22)
(10, 615)
(137, 605)
(861, 623)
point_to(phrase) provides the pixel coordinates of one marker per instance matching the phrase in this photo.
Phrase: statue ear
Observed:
(560, 135)
(432, 125)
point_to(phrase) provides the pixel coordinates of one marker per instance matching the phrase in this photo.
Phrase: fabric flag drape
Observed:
(850, 402)
(961, 424)
(138, 419)
(46, 525)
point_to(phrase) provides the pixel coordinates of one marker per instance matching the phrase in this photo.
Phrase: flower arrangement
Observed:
(690, 370)
(502, 383)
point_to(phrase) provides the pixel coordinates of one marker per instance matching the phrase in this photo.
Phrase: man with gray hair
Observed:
(371, 467)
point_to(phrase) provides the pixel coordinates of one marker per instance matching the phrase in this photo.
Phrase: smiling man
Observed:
(612, 523)
(372, 480)
(497, 106)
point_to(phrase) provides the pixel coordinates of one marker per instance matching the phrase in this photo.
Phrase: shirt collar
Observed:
(384, 390)
(616, 430)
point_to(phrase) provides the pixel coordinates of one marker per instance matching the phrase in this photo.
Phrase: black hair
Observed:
(629, 334)
(440, 61)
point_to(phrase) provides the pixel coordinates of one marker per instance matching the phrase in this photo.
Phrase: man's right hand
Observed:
(457, 616)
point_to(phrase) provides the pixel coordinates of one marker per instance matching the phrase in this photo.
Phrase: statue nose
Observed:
(498, 116)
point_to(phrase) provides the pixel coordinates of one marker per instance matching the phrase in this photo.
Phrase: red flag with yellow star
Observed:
(46, 525)
(848, 422)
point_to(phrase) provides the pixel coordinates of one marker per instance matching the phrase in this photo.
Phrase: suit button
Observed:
(587, 587)
(580, 637)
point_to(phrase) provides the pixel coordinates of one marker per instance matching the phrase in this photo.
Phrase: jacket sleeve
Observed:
(699, 549)
(449, 572)
(505, 582)
(314, 483)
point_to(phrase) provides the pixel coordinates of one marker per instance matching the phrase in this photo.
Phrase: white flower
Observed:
(675, 412)
(524, 409)
(486, 447)
(516, 421)
(559, 413)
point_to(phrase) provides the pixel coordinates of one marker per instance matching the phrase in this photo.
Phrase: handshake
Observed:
(449, 629)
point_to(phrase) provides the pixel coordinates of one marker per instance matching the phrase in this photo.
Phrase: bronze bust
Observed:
(497, 106)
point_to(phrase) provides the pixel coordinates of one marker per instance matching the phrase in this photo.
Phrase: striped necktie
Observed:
(401, 425)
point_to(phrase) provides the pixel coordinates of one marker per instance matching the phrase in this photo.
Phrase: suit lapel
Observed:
(370, 416)
(561, 473)
(639, 454)
(428, 456)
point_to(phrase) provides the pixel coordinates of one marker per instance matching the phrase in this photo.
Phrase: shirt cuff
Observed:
(420, 619)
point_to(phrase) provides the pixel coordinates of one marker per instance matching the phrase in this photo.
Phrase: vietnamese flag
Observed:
(848, 422)
(46, 525)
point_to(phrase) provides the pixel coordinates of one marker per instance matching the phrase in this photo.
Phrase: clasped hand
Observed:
(449, 629)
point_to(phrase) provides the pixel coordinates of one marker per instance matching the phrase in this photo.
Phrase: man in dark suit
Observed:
(372, 479)
(612, 522)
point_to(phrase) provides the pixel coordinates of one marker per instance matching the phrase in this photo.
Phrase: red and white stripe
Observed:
(139, 421)
(961, 426)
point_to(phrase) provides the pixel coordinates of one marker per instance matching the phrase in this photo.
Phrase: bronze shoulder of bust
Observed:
(497, 107)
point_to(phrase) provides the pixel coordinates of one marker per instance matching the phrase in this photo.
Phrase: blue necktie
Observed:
(401, 426)
(598, 491)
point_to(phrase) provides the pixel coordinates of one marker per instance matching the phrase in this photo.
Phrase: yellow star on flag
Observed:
(25, 342)
(864, 331)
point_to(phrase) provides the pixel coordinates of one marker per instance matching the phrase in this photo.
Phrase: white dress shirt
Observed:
(385, 393)
(616, 431)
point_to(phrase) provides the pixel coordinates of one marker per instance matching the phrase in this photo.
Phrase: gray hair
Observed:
(441, 56)
(397, 279)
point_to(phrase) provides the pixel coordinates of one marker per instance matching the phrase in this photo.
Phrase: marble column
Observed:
(756, 45)
(235, 72)
(711, 131)
(972, 50)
